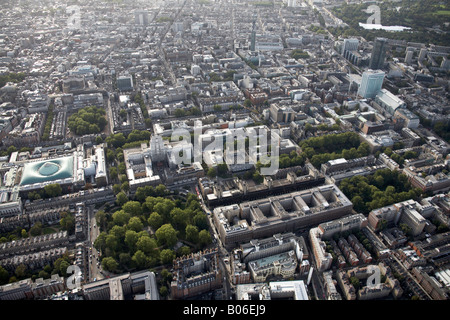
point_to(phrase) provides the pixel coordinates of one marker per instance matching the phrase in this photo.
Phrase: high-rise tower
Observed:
(371, 83)
(378, 54)
(253, 38)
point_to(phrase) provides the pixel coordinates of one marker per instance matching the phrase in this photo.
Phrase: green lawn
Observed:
(443, 12)
(53, 229)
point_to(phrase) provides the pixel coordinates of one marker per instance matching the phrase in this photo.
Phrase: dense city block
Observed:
(224, 150)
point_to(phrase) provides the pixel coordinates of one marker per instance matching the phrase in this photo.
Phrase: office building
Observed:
(350, 223)
(408, 212)
(388, 102)
(349, 45)
(278, 214)
(286, 290)
(371, 83)
(260, 258)
(378, 54)
(411, 120)
(195, 274)
(139, 167)
(141, 17)
(125, 83)
(281, 114)
(137, 286)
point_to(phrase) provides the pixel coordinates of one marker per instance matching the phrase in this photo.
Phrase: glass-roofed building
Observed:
(48, 170)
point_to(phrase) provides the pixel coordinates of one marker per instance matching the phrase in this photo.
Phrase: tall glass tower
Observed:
(371, 83)
(378, 54)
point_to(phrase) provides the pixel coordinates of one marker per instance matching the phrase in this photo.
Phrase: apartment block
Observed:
(281, 254)
(196, 274)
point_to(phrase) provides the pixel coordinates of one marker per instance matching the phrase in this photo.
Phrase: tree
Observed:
(125, 186)
(358, 204)
(166, 235)
(167, 256)
(36, 229)
(382, 224)
(21, 271)
(101, 218)
(222, 169)
(164, 208)
(53, 190)
(63, 267)
(121, 198)
(355, 282)
(405, 228)
(118, 232)
(110, 264)
(211, 173)
(183, 251)
(120, 217)
(257, 177)
(134, 208)
(146, 245)
(200, 220)
(122, 168)
(161, 190)
(67, 222)
(166, 276)
(87, 121)
(4, 276)
(179, 218)
(113, 173)
(112, 243)
(116, 140)
(204, 237)
(140, 259)
(192, 233)
(135, 224)
(163, 291)
(125, 259)
(131, 238)
(179, 113)
(155, 220)
(100, 242)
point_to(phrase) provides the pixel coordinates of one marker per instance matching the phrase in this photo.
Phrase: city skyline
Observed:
(226, 150)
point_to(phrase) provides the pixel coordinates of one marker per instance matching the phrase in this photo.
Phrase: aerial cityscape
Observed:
(240, 150)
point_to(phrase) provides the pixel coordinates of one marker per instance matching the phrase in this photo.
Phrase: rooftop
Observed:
(47, 170)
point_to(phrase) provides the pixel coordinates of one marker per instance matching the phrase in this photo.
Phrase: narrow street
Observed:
(93, 258)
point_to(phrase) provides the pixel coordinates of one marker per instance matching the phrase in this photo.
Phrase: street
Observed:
(93, 258)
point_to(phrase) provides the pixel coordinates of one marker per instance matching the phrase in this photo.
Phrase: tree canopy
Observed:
(144, 231)
(380, 189)
(321, 149)
(87, 121)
